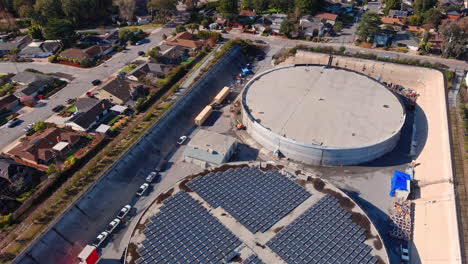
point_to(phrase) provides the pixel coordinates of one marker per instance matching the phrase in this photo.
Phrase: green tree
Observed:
(39, 126)
(432, 16)
(180, 28)
(414, 20)
(125, 34)
(205, 23)
(35, 32)
(228, 8)
(455, 37)
(163, 9)
(308, 6)
(60, 29)
(283, 5)
(45, 9)
(51, 169)
(420, 6)
(338, 26)
(287, 27)
(247, 4)
(368, 26)
(192, 27)
(164, 36)
(391, 4)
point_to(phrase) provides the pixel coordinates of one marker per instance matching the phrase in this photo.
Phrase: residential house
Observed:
(173, 54)
(8, 103)
(149, 70)
(276, 20)
(246, 17)
(9, 45)
(453, 14)
(326, 18)
(248, 13)
(143, 20)
(185, 39)
(89, 112)
(45, 147)
(40, 49)
(404, 39)
(12, 171)
(220, 20)
(120, 91)
(90, 53)
(396, 23)
(101, 37)
(32, 83)
(383, 38)
(262, 24)
(397, 14)
(436, 40)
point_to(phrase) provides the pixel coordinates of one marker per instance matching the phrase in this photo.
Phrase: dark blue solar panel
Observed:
(256, 199)
(322, 234)
(253, 259)
(185, 232)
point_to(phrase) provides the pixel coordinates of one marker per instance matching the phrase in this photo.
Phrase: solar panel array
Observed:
(185, 232)
(253, 259)
(323, 234)
(254, 198)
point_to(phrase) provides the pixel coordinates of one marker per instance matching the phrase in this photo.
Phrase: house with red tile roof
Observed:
(328, 17)
(45, 148)
(185, 39)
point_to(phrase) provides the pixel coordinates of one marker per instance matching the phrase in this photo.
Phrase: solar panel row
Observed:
(322, 234)
(253, 259)
(256, 199)
(185, 232)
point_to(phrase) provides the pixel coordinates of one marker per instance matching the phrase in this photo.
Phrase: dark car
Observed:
(12, 122)
(96, 82)
(141, 53)
(162, 166)
(260, 57)
(70, 100)
(259, 41)
(58, 108)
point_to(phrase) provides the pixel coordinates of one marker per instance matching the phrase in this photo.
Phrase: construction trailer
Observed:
(203, 115)
(221, 95)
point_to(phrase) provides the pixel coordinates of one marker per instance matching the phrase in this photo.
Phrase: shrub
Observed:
(52, 59)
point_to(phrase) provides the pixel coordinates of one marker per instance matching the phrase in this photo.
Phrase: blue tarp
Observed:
(399, 182)
(246, 71)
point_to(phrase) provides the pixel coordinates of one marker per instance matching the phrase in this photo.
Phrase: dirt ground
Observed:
(435, 234)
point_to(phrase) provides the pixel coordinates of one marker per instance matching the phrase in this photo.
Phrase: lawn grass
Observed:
(126, 69)
(147, 26)
(187, 61)
(71, 109)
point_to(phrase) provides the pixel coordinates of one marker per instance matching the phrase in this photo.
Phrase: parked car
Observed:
(90, 94)
(12, 122)
(404, 252)
(96, 82)
(259, 41)
(142, 189)
(260, 57)
(161, 167)
(139, 42)
(113, 225)
(70, 100)
(151, 176)
(141, 53)
(124, 211)
(29, 127)
(100, 238)
(58, 108)
(181, 140)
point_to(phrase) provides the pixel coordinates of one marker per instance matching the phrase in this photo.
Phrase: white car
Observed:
(100, 238)
(181, 140)
(151, 176)
(113, 225)
(142, 189)
(29, 127)
(124, 211)
(404, 253)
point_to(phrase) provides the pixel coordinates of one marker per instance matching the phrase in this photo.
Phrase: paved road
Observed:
(80, 82)
(289, 43)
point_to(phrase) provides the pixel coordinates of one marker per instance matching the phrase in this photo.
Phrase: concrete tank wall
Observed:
(308, 153)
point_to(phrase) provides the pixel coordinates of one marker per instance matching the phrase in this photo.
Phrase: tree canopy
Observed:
(227, 8)
(287, 27)
(162, 9)
(308, 6)
(422, 5)
(455, 37)
(368, 26)
(60, 29)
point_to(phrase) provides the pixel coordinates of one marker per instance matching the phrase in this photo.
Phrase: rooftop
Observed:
(325, 106)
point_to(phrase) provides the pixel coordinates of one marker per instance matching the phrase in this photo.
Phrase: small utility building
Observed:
(209, 149)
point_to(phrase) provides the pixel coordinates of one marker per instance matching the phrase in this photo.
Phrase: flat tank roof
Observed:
(325, 106)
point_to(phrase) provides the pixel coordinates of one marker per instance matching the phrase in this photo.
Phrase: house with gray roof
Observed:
(31, 82)
(7, 46)
(40, 49)
(89, 113)
(156, 70)
(405, 40)
(207, 148)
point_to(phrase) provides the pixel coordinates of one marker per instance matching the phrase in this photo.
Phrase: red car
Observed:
(90, 94)
(40, 96)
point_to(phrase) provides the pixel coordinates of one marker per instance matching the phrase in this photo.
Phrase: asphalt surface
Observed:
(79, 83)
